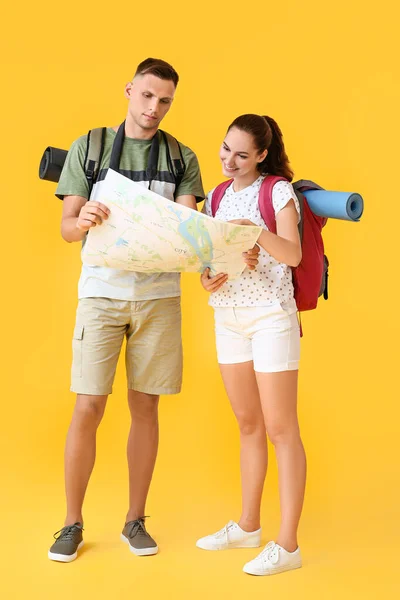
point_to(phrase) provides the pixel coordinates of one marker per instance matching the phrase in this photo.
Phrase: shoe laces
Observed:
(271, 553)
(137, 527)
(67, 532)
(224, 531)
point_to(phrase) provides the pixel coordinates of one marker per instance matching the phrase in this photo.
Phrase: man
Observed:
(113, 304)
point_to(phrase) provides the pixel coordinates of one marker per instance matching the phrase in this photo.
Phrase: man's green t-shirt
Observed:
(113, 283)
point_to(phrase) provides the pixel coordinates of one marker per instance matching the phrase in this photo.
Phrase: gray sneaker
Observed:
(140, 542)
(68, 541)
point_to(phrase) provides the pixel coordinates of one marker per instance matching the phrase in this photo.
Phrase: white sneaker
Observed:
(273, 559)
(230, 536)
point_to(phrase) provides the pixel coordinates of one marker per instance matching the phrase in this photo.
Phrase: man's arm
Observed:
(190, 189)
(187, 200)
(79, 215)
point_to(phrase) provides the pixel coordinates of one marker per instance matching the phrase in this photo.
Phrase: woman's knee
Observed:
(250, 424)
(283, 433)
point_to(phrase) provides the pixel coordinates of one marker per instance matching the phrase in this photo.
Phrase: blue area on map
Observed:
(202, 242)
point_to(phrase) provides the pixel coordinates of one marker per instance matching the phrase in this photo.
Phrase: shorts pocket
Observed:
(288, 309)
(290, 320)
(77, 342)
(224, 316)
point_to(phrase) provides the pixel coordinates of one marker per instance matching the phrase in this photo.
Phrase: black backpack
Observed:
(53, 159)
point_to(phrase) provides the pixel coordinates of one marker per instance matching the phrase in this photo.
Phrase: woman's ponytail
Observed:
(276, 161)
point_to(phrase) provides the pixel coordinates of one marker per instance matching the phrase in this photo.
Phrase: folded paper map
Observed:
(148, 233)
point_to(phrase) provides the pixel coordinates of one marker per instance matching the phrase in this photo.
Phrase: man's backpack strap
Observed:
(218, 194)
(116, 152)
(176, 164)
(96, 137)
(94, 153)
(152, 163)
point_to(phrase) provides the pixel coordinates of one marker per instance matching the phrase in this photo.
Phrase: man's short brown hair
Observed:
(158, 68)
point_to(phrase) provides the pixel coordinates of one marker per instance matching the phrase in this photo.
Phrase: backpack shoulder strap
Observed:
(265, 201)
(305, 184)
(301, 186)
(174, 156)
(218, 194)
(94, 153)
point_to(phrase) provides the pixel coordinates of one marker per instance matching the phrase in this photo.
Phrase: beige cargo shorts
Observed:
(153, 345)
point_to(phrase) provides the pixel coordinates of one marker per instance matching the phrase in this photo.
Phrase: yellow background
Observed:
(328, 73)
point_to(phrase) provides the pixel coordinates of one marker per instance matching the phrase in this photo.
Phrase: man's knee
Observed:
(90, 409)
(142, 406)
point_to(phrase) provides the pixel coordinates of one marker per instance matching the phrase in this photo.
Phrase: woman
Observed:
(258, 342)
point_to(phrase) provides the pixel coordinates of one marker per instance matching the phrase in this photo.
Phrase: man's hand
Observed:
(91, 214)
(212, 284)
(251, 257)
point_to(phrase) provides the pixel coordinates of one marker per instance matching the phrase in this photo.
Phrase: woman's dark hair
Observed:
(266, 135)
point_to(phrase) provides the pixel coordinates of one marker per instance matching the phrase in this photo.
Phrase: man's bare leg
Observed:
(80, 452)
(142, 449)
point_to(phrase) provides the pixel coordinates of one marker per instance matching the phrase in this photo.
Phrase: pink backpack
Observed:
(310, 278)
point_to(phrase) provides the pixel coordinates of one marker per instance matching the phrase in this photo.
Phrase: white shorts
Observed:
(267, 335)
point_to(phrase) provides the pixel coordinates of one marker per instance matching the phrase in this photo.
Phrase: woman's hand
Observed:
(251, 257)
(212, 284)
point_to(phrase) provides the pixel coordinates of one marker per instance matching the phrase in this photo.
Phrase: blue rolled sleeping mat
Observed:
(335, 205)
(348, 206)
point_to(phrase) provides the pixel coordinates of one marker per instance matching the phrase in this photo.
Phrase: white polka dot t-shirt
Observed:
(271, 281)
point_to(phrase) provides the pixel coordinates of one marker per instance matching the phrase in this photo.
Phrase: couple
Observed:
(256, 327)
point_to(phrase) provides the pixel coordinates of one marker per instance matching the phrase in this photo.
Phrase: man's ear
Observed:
(128, 90)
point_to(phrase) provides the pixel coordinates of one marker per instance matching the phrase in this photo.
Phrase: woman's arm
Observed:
(285, 245)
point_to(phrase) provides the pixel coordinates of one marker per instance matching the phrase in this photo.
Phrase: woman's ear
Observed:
(262, 156)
